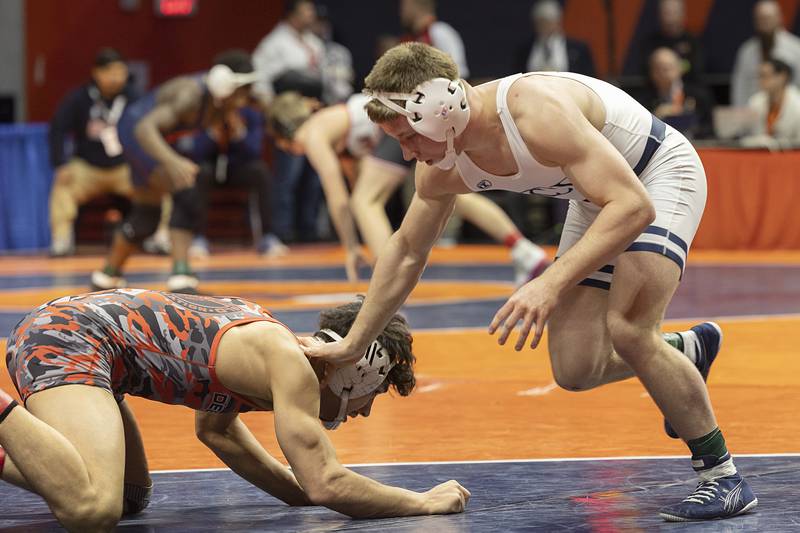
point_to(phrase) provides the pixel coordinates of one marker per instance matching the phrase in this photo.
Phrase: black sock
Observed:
(7, 410)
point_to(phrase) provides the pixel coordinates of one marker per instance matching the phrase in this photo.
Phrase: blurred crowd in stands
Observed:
(223, 144)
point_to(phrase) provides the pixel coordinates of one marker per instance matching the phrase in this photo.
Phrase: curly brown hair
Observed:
(395, 337)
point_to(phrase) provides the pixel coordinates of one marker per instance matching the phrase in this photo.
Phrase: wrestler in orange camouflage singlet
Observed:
(157, 345)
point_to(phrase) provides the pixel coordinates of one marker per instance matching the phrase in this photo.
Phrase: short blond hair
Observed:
(401, 69)
(288, 111)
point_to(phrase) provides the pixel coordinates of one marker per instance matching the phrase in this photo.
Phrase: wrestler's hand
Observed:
(336, 354)
(181, 172)
(352, 260)
(447, 498)
(532, 303)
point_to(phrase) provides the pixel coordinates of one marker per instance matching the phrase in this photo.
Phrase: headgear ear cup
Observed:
(359, 379)
(222, 81)
(436, 109)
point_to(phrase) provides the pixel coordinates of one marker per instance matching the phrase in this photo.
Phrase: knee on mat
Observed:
(141, 222)
(100, 514)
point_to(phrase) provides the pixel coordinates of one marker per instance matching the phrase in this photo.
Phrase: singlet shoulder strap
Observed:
(502, 90)
(519, 150)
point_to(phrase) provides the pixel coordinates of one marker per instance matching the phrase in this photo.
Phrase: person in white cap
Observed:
(637, 191)
(152, 133)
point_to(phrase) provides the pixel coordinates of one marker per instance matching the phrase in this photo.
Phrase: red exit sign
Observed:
(175, 8)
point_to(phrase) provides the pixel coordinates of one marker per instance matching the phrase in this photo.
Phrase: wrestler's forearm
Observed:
(242, 453)
(617, 225)
(326, 163)
(397, 271)
(358, 496)
(153, 142)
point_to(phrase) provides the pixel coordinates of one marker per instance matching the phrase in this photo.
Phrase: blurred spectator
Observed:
(88, 115)
(233, 159)
(770, 41)
(777, 106)
(290, 57)
(550, 49)
(384, 42)
(418, 18)
(680, 103)
(337, 64)
(291, 45)
(159, 135)
(672, 34)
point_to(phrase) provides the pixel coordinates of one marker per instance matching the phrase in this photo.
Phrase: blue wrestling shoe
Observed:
(720, 498)
(707, 339)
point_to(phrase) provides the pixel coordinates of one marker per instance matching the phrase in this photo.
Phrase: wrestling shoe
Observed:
(183, 283)
(705, 339)
(529, 261)
(723, 497)
(158, 243)
(100, 281)
(199, 248)
(271, 246)
(62, 247)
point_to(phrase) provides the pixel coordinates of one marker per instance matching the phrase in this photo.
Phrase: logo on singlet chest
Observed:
(562, 188)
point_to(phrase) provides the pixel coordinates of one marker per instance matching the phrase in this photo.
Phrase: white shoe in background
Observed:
(199, 248)
(529, 261)
(100, 281)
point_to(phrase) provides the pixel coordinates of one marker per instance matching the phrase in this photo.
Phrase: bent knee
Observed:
(631, 341)
(574, 370)
(91, 515)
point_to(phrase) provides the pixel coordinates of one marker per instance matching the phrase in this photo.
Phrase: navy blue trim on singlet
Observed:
(596, 283)
(656, 230)
(657, 248)
(658, 130)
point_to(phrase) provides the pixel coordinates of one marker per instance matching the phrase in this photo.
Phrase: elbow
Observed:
(204, 435)
(641, 214)
(647, 213)
(208, 436)
(323, 489)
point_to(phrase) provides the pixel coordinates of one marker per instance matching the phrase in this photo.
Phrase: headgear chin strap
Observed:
(436, 109)
(360, 379)
(222, 81)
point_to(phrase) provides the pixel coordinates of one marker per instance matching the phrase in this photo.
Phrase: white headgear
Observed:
(436, 109)
(222, 81)
(359, 379)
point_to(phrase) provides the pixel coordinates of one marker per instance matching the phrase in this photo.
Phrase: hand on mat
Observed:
(182, 172)
(352, 260)
(532, 303)
(449, 497)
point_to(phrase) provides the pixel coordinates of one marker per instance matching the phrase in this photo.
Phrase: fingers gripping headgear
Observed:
(360, 379)
(222, 81)
(436, 109)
